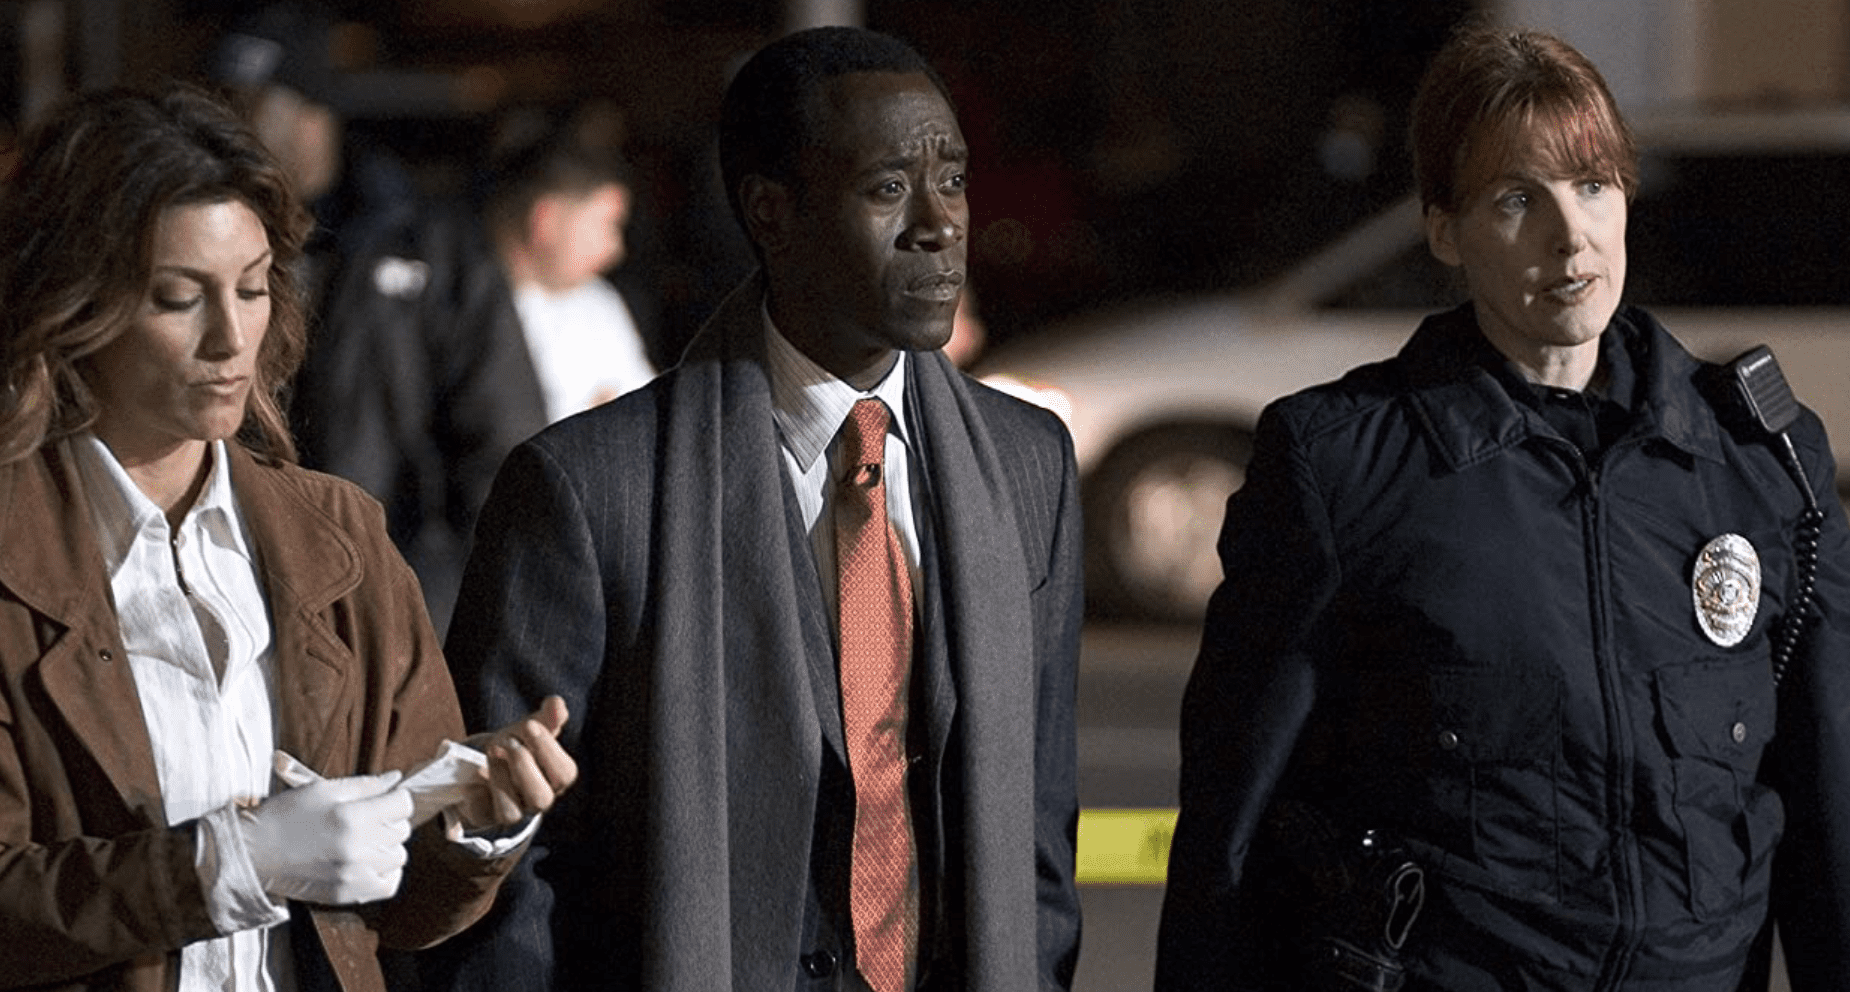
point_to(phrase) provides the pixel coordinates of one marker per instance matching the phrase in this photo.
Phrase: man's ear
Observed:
(767, 208)
(1441, 239)
(543, 219)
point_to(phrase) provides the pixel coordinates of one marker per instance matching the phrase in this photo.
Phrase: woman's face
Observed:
(180, 374)
(1543, 255)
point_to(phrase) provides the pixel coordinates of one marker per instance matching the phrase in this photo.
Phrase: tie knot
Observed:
(864, 433)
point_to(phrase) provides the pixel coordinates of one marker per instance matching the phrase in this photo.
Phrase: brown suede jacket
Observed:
(96, 891)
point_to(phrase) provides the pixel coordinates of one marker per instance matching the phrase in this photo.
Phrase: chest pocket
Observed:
(1717, 717)
(1496, 746)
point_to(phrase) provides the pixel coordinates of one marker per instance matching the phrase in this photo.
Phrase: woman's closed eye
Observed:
(176, 304)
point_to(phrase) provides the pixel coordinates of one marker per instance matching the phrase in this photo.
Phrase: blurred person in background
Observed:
(558, 221)
(215, 669)
(424, 373)
(817, 592)
(280, 63)
(1531, 612)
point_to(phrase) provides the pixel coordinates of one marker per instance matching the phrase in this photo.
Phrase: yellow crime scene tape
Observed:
(1124, 846)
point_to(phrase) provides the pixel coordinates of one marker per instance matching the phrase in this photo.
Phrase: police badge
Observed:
(1726, 586)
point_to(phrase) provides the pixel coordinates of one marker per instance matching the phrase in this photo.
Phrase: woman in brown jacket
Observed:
(214, 667)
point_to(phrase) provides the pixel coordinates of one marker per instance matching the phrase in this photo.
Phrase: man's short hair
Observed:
(539, 154)
(769, 109)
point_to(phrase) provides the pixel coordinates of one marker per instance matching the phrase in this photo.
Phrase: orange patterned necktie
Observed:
(876, 659)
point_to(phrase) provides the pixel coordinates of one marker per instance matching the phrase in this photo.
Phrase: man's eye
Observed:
(959, 181)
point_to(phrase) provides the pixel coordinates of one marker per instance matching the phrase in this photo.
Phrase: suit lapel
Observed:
(813, 617)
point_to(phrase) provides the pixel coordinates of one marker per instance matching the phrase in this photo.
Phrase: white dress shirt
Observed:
(809, 405)
(584, 345)
(197, 629)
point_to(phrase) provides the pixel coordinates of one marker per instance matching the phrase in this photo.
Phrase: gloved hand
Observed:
(335, 841)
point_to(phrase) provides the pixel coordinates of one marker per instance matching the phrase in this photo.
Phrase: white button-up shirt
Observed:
(809, 405)
(584, 344)
(197, 629)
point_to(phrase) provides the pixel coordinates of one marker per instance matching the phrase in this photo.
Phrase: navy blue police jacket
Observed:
(1441, 620)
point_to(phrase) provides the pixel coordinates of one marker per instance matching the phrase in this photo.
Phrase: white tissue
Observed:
(435, 785)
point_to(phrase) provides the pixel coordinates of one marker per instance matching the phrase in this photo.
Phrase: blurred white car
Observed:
(1739, 235)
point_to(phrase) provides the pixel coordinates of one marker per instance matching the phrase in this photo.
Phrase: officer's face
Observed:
(1542, 246)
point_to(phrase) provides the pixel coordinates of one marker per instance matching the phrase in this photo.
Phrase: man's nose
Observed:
(937, 221)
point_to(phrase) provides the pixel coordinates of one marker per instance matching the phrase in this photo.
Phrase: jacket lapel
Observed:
(307, 562)
(55, 567)
(1466, 414)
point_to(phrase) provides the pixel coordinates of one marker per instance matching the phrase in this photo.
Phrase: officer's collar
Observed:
(1459, 387)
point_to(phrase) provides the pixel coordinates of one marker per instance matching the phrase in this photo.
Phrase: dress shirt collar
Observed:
(121, 510)
(809, 403)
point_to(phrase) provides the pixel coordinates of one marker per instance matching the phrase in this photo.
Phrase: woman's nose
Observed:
(1572, 236)
(226, 334)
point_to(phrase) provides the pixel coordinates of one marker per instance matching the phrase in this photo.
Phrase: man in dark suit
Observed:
(800, 770)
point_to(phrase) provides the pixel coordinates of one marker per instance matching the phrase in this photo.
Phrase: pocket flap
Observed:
(1722, 710)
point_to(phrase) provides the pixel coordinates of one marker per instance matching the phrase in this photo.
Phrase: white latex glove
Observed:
(335, 841)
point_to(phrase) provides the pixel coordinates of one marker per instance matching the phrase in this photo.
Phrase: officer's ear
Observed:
(1441, 237)
(769, 213)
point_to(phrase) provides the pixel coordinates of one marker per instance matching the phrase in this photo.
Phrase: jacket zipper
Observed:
(1623, 849)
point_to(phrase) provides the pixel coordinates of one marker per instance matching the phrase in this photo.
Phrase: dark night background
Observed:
(1119, 149)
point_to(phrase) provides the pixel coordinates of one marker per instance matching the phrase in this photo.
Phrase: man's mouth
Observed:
(937, 285)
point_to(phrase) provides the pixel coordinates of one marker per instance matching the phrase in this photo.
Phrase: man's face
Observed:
(874, 258)
(304, 136)
(578, 236)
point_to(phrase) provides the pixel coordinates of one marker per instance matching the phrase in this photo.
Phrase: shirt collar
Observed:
(120, 510)
(809, 403)
(1614, 379)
